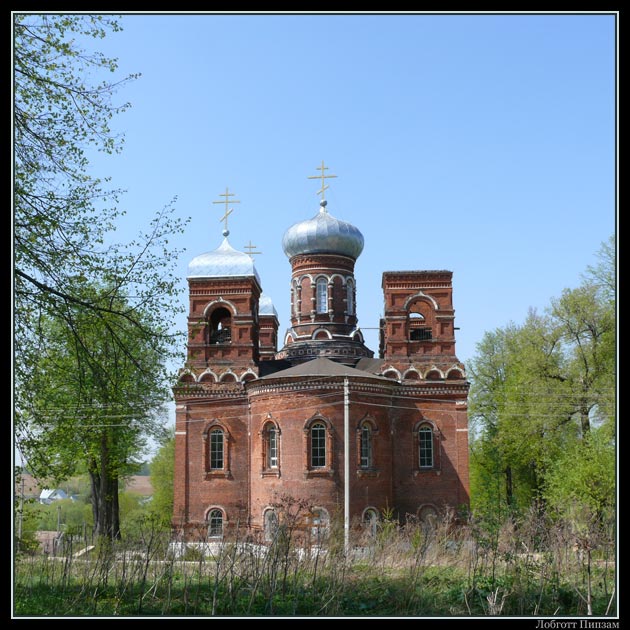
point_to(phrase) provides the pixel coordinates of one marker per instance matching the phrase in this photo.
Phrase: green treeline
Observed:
(542, 408)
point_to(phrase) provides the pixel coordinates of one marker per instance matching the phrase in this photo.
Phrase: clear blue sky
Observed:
(482, 144)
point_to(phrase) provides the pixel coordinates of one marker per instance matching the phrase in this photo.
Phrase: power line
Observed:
(552, 400)
(504, 411)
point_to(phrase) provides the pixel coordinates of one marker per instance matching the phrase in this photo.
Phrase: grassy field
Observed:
(416, 571)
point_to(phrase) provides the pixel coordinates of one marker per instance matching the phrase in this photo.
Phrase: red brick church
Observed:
(255, 423)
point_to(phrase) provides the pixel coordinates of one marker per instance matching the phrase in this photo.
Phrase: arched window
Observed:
(217, 444)
(427, 515)
(366, 446)
(319, 523)
(215, 523)
(270, 525)
(220, 326)
(425, 447)
(419, 329)
(370, 521)
(421, 311)
(272, 447)
(350, 297)
(322, 295)
(294, 299)
(318, 445)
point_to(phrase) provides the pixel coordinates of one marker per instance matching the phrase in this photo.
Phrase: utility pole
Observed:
(346, 466)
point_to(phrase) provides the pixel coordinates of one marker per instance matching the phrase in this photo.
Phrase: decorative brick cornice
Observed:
(435, 389)
(412, 284)
(324, 384)
(199, 391)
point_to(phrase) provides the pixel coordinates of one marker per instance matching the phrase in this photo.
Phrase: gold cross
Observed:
(323, 177)
(251, 249)
(227, 194)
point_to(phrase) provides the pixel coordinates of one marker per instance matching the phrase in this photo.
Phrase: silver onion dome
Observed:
(323, 234)
(265, 306)
(225, 261)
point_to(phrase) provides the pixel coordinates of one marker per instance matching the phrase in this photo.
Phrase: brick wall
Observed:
(427, 388)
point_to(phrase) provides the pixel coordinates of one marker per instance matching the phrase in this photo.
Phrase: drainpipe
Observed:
(346, 465)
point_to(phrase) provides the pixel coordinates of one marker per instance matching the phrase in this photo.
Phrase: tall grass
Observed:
(443, 568)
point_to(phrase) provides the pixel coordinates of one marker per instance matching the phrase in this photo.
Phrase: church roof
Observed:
(370, 365)
(323, 367)
(224, 261)
(323, 234)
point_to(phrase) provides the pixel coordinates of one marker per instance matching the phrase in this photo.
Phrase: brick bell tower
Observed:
(419, 322)
(224, 294)
(227, 337)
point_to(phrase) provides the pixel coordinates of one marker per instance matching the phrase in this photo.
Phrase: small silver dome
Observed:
(323, 234)
(265, 306)
(225, 261)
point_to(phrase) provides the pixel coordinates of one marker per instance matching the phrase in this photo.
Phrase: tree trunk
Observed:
(95, 483)
(115, 525)
(105, 496)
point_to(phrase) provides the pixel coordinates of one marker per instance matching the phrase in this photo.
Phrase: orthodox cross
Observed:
(251, 249)
(323, 177)
(228, 211)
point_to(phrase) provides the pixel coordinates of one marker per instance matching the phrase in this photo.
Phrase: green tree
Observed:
(581, 484)
(60, 216)
(587, 327)
(92, 317)
(490, 473)
(585, 318)
(162, 478)
(536, 391)
(97, 393)
(517, 414)
(603, 275)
